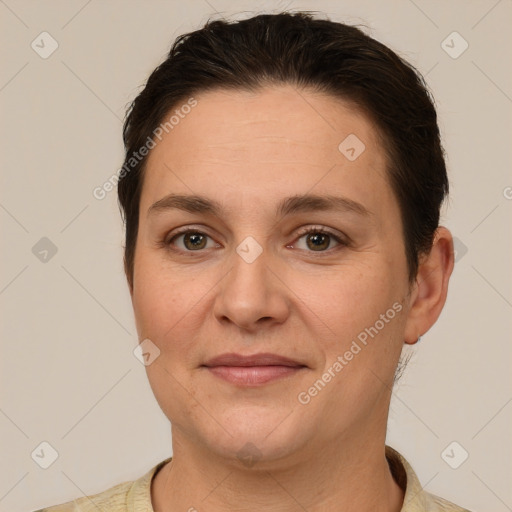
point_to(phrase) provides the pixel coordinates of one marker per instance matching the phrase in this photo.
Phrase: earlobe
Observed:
(431, 286)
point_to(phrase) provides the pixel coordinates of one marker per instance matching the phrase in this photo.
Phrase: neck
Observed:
(348, 476)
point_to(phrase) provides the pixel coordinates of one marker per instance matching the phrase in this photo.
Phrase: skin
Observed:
(249, 151)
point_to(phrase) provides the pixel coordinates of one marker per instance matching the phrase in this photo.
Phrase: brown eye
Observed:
(194, 241)
(190, 240)
(318, 241)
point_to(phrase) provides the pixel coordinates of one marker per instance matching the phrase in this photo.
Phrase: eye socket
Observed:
(317, 240)
(320, 238)
(196, 239)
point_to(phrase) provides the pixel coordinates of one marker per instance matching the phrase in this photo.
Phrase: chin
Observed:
(258, 436)
(253, 454)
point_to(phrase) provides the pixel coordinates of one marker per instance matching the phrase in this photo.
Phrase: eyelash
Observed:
(167, 243)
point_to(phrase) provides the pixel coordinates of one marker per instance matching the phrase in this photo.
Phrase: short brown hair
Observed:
(318, 54)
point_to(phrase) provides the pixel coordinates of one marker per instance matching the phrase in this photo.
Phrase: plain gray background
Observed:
(68, 373)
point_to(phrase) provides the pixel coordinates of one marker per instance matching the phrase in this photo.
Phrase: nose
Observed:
(252, 295)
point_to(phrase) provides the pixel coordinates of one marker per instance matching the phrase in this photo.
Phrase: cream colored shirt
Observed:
(135, 496)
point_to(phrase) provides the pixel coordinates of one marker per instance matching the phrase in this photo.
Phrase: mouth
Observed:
(253, 370)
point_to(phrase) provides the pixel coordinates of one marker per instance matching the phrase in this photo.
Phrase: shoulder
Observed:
(113, 499)
(133, 495)
(416, 499)
(437, 504)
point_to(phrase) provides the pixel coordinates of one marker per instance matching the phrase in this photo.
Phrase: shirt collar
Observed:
(139, 496)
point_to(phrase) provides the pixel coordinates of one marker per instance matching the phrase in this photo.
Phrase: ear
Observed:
(431, 288)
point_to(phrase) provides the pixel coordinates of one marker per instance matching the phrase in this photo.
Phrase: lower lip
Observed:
(253, 375)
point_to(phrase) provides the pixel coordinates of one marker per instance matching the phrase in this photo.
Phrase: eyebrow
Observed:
(287, 206)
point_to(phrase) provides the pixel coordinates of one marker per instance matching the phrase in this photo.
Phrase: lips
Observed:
(253, 370)
(263, 359)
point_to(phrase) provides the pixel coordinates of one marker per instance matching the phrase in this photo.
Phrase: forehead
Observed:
(257, 144)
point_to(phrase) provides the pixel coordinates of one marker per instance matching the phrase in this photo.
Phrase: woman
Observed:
(281, 192)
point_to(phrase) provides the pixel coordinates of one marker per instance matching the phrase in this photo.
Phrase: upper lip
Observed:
(262, 359)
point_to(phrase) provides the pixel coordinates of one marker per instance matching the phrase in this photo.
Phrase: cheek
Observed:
(364, 312)
(171, 306)
(166, 305)
(350, 298)
(161, 295)
(365, 317)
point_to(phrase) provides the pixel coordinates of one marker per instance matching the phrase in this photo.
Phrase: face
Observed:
(238, 272)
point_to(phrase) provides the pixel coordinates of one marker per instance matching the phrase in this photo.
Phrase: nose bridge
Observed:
(251, 291)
